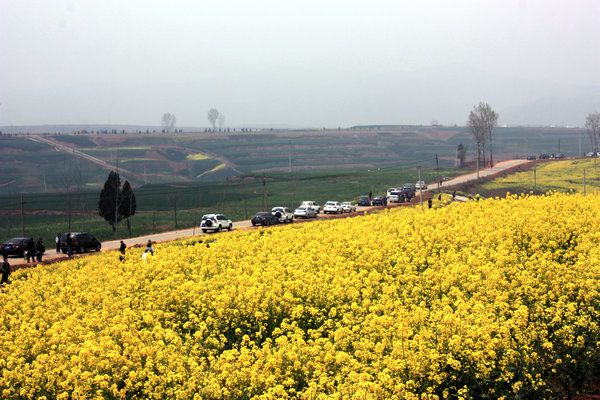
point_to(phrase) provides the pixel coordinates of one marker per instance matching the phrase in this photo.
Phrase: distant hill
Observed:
(568, 108)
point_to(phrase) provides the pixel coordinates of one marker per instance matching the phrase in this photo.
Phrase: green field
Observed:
(561, 176)
(47, 214)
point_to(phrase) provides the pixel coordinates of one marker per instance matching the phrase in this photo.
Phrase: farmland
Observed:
(562, 176)
(406, 303)
(194, 157)
(47, 214)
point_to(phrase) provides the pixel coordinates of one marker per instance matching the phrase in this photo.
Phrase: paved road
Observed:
(188, 232)
(499, 167)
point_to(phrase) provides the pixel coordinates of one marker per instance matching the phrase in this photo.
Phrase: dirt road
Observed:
(51, 256)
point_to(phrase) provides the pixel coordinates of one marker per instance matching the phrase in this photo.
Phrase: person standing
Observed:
(122, 248)
(5, 269)
(57, 241)
(69, 243)
(430, 202)
(149, 247)
(30, 250)
(40, 249)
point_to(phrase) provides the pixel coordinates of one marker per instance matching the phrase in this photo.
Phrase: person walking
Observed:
(430, 202)
(454, 195)
(122, 248)
(69, 243)
(5, 269)
(30, 250)
(149, 247)
(57, 241)
(40, 249)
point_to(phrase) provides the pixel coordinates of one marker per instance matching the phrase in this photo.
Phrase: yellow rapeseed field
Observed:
(488, 299)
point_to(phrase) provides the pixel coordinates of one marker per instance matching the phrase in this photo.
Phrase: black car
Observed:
(364, 201)
(543, 156)
(81, 242)
(15, 246)
(380, 201)
(264, 218)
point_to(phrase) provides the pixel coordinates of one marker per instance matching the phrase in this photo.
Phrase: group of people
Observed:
(34, 250)
(123, 247)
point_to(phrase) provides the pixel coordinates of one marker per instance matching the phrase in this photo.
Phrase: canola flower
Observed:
(488, 299)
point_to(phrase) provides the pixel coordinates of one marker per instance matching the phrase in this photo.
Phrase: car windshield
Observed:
(330, 203)
(15, 241)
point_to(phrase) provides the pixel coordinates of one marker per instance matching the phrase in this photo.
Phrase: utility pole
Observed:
(478, 152)
(579, 142)
(153, 221)
(437, 168)
(534, 177)
(584, 185)
(245, 204)
(264, 183)
(22, 217)
(145, 176)
(420, 187)
(290, 156)
(559, 145)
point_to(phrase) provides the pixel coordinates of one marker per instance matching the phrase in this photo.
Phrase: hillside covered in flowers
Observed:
(488, 299)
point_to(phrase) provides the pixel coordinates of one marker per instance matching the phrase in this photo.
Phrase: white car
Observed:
(283, 214)
(394, 197)
(390, 190)
(333, 207)
(348, 207)
(421, 185)
(311, 204)
(305, 212)
(215, 223)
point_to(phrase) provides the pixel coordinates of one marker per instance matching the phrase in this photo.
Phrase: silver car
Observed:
(305, 212)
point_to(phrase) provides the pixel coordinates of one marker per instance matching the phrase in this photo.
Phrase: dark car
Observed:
(81, 242)
(15, 246)
(530, 157)
(264, 218)
(380, 201)
(364, 201)
(544, 156)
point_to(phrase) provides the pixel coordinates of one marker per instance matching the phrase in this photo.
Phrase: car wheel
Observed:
(219, 228)
(98, 247)
(230, 227)
(204, 230)
(81, 249)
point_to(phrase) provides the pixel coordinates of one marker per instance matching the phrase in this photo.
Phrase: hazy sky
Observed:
(300, 63)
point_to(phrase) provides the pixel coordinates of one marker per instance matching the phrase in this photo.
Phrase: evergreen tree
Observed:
(127, 204)
(108, 205)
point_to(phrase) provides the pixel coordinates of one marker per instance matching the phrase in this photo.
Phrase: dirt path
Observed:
(110, 245)
(73, 151)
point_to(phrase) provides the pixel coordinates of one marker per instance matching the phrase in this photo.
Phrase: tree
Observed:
(592, 127)
(127, 205)
(213, 115)
(482, 120)
(168, 122)
(221, 120)
(108, 205)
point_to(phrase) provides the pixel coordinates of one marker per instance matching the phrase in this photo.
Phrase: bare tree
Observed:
(221, 121)
(168, 122)
(213, 115)
(482, 120)
(592, 127)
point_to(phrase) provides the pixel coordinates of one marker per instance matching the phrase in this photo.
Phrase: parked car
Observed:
(305, 212)
(406, 194)
(389, 191)
(81, 242)
(559, 156)
(543, 156)
(530, 157)
(215, 223)
(311, 204)
(395, 196)
(333, 207)
(15, 246)
(364, 201)
(410, 187)
(347, 206)
(264, 218)
(421, 185)
(283, 214)
(380, 201)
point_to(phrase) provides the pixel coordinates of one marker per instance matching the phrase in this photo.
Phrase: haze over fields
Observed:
(301, 64)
